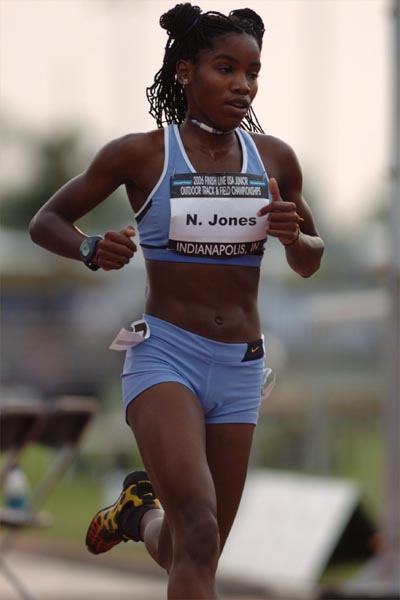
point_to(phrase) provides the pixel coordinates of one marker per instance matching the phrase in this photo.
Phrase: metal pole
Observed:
(23, 592)
(381, 577)
(391, 516)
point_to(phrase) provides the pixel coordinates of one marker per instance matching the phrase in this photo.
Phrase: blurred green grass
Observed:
(71, 502)
(354, 447)
(359, 455)
(357, 450)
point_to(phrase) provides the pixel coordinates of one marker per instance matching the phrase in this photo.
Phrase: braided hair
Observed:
(189, 31)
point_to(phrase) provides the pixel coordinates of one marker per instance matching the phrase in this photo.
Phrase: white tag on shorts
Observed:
(125, 339)
(268, 382)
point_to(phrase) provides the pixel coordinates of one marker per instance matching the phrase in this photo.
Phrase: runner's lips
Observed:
(241, 104)
(238, 112)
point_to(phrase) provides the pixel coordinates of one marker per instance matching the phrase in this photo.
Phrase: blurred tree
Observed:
(56, 158)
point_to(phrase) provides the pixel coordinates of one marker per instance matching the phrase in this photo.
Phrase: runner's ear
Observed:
(184, 70)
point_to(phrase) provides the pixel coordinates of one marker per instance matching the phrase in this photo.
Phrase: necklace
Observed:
(208, 128)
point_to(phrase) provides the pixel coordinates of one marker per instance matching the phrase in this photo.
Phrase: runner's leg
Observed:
(228, 452)
(168, 423)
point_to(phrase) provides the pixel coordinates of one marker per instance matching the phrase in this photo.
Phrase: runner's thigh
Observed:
(168, 423)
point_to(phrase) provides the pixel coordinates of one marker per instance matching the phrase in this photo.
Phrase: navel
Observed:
(219, 320)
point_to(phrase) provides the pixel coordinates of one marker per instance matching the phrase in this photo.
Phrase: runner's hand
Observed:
(283, 219)
(116, 249)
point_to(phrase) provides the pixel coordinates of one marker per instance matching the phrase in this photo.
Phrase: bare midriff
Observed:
(216, 301)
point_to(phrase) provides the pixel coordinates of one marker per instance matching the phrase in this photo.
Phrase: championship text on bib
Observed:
(215, 214)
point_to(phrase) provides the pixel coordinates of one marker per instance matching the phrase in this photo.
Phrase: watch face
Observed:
(85, 248)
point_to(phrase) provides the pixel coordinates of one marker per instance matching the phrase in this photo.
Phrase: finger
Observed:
(110, 264)
(110, 267)
(283, 216)
(117, 248)
(274, 192)
(279, 229)
(112, 258)
(119, 239)
(277, 206)
(128, 231)
(284, 235)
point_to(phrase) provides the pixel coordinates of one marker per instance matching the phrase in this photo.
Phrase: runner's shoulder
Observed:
(272, 145)
(128, 153)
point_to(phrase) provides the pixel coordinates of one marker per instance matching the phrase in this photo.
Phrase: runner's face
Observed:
(223, 81)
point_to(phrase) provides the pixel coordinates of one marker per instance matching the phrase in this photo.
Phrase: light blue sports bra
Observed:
(205, 217)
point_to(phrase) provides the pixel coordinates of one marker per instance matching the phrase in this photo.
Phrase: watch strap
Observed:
(88, 249)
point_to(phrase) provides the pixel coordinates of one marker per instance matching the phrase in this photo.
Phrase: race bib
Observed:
(215, 214)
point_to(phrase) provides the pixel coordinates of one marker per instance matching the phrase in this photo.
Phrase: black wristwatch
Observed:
(88, 250)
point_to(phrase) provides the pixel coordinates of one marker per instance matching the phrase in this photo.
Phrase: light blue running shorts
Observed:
(226, 378)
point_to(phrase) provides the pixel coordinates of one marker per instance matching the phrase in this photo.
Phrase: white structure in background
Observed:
(287, 528)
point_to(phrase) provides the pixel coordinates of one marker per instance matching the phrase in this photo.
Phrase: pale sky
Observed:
(324, 86)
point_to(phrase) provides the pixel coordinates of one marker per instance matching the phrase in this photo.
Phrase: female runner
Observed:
(206, 191)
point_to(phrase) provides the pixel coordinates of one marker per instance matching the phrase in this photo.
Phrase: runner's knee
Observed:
(196, 537)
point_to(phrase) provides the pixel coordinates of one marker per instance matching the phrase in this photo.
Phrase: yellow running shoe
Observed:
(137, 497)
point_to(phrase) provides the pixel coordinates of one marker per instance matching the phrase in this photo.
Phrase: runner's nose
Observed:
(241, 84)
